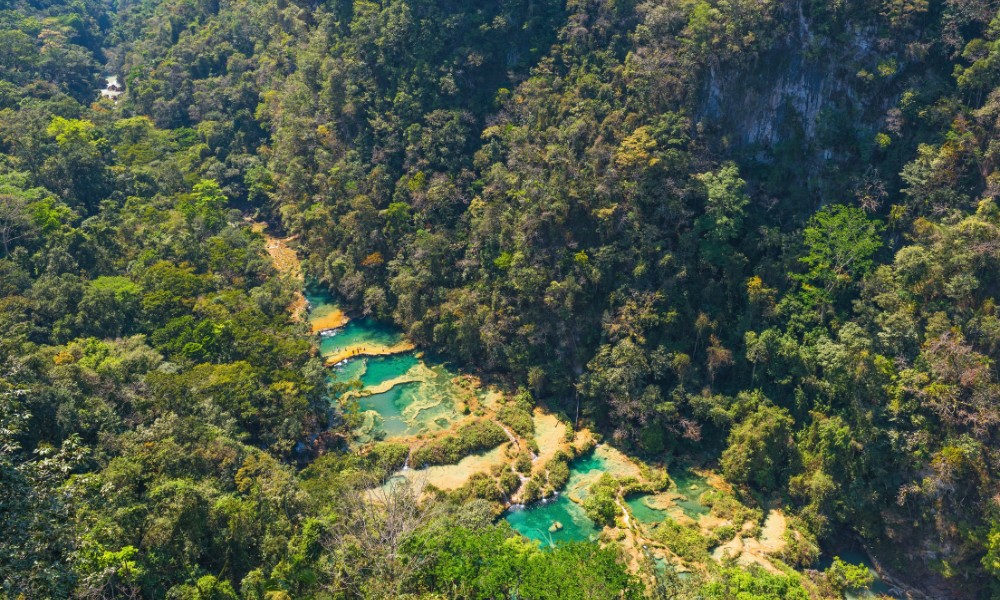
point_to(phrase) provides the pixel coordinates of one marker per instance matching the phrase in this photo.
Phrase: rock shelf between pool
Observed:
(367, 350)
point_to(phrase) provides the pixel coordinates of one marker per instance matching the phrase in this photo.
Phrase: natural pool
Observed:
(401, 395)
(535, 521)
(358, 333)
(374, 371)
(686, 490)
(643, 511)
(691, 486)
(324, 314)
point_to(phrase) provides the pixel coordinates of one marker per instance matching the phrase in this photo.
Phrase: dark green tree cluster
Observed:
(155, 391)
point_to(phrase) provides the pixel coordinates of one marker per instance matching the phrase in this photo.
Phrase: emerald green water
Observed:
(583, 472)
(350, 370)
(375, 370)
(643, 512)
(320, 303)
(358, 332)
(391, 409)
(533, 521)
(691, 486)
(383, 368)
(686, 484)
(424, 404)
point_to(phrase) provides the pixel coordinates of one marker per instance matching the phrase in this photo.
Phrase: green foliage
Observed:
(523, 463)
(112, 572)
(760, 449)
(558, 473)
(800, 547)
(727, 199)
(610, 204)
(388, 457)
(469, 439)
(685, 540)
(483, 487)
(845, 576)
(840, 242)
(531, 491)
(992, 559)
(727, 507)
(580, 571)
(601, 501)
(516, 415)
(206, 588)
(737, 584)
(496, 563)
(204, 204)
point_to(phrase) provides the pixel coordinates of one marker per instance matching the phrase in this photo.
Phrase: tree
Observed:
(77, 170)
(111, 574)
(991, 561)
(15, 223)
(845, 576)
(580, 572)
(34, 512)
(494, 562)
(601, 502)
(370, 538)
(756, 583)
(840, 243)
(760, 448)
(727, 199)
(207, 587)
(205, 204)
(109, 307)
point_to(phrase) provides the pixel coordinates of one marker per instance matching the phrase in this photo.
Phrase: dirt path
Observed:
(510, 434)
(625, 515)
(286, 261)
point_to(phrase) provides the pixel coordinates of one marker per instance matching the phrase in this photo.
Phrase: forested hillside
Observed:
(758, 235)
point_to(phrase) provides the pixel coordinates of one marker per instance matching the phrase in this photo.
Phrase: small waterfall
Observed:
(406, 463)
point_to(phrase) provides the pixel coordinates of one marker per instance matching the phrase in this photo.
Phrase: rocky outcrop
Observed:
(795, 90)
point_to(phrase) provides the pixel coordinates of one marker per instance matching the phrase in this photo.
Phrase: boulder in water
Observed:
(556, 526)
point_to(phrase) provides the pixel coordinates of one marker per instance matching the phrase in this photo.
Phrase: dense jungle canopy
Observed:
(757, 236)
